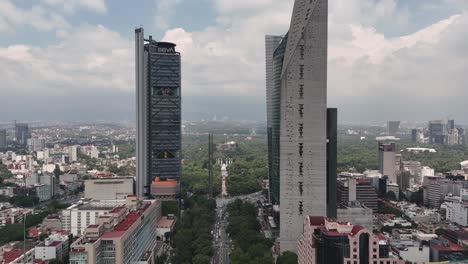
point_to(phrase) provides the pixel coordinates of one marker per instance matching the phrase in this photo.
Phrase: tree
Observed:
(390, 196)
(287, 257)
(43, 236)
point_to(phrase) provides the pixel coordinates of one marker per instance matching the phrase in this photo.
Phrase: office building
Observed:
(387, 160)
(436, 188)
(3, 139)
(79, 216)
(303, 120)
(36, 144)
(438, 132)
(274, 118)
(356, 213)
(356, 189)
(56, 246)
(327, 241)
(132, 240)
(158, 85)
(73, 153)
(22, 134)
(271, 44)
(393, 127)
(114, 188)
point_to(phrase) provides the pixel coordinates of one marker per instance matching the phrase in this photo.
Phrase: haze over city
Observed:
(389, 59)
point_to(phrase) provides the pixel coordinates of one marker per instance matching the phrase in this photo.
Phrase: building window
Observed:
(302, 49)
(301, 149)
(301, 72)
(301, 110)
(301, 189)
(301, 210)
(301, 168)
(301, 130)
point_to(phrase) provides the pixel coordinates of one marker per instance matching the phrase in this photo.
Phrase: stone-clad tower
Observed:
(303, 142)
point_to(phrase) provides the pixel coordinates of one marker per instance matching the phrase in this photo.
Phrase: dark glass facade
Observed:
(275, 113)
(164, 113)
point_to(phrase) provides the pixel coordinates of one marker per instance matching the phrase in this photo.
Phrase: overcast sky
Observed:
(74, 59)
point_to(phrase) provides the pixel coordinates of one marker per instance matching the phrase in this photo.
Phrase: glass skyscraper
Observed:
(158, 81)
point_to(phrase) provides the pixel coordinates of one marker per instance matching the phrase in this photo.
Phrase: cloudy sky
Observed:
(74, 59)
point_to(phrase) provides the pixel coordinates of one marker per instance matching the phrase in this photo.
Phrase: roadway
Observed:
(221, 241)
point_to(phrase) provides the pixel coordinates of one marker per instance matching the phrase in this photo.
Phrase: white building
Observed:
(7, 191)
(56, 246)
(94, 152)
(79, 216)
(456, 208)
(426, 172)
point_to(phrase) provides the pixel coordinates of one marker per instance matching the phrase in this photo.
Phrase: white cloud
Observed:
(88, 58)
(364, 63)
(37, 17)
(70, 6)
(164, 11)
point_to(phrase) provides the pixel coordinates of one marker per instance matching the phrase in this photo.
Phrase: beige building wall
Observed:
(109, 189)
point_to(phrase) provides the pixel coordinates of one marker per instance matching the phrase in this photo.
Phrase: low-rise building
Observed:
(165, 225)
(56, 246)
(327, 241)
(78, 216)
(228, 146)
(112, 188)
(356, 213)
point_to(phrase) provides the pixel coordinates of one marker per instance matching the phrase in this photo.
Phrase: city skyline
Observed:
(62, 34)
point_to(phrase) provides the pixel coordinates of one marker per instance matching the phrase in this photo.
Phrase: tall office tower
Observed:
(275, 121)
(303, 127)
(271, 43)
(387, 160)
(158, 84)
(451, 124)
(437, 132)
(332, 152)
(73, 153)
(393, 127)
(22, 134)
(3, 139)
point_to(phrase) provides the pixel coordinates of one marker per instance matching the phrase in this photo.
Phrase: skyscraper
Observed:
(437, 132)
(387, 160)
(3, 139)
(158, 84)
(303, 123)
(271, 44)
(22, 134)
(393, 127)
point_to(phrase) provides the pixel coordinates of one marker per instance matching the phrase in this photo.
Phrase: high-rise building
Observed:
(3, 139)
(437, 132)
(36, 144)
(73, 153)
(387, 160)
(303, 120)
(274, 116)
(350, 190)
(22, 134)
(271, 44)
(393, 127)
(158, 72)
